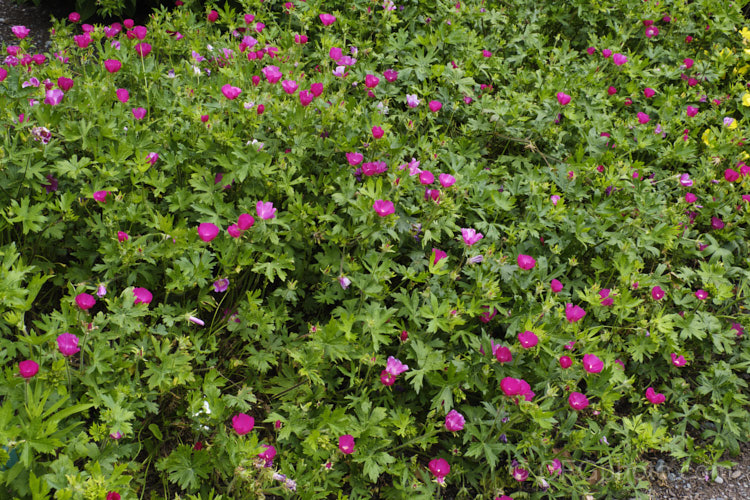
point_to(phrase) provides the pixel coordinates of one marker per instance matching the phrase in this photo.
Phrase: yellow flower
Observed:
(746, 99)
(742, 70)
(707, 137)
(732, 125)
(745, 34)
(744, 156)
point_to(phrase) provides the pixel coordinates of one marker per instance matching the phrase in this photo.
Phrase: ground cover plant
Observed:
(363, 250)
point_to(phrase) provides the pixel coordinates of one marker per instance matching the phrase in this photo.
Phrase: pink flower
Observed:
(649, 92)
(520, 474)
(435, 106)
(606, 299)
(556, 467)
(578, 401)
(67, 343)
(122, 236)
(412, 101)
(74, 17)
(139, 113)
(657, 293)
(83, 40)
(691, 111)
(643, 118)
(112, 65)
(354, 159)
(426, 177)
(123, 95)
(565, 362)
(611, 90)
(265, 210)
(20, 31)
(112, 495)
(335, 53)
(556, 286)
(316, 89)
(213, 16)
(230, 92)
(563, 98)
(701, 294)
(526, 262)
(717, 223)
(512, 386)
(85, 301)
(383, 207)
(439, 468)
(619, 59)
(446, 180)
(140, 32)
(327, 19)
(143, 49)
(438, 255)
(377, 132)
(243, 423)
(471, 236)
(207, 231)
(592, 363)
(344, 282)
(289, 86)
(690, 198)
(655, 397)
(390, 75)
(606, 53)
(28, 368)
(731, 175)
(678, 361)
(386, 378)
(245, 221)
(371, 81)
(503, 354)
(395, 367)
(688, 63)
(685, 180)
(234, 231)
(272, 73)
(591, 51)
(346, 444)
(528, 339)
(305, 97)
(54, 97)
(454, 421)
(142, 296)
(101, 196)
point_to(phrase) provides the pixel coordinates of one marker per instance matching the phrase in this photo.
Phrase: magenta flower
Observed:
(85, 301)
(234, 231)
(528, 339)
(435, 106)
(412, 101)
(651, 31)
(678, 361)
(74, 17)
(454, 421)
(346, 444)
(101, 196)
(377, 132)
(112, 65)
(611, 90)
(643, 118)
(395, 367)
(520, 474)
(655, 397)
(439, 468)
(565, 362)
(446, 180)
(230, 92)
(305, 97)
(207, 231)
(3, 74)
(243, 423)
(20, 32)
(143, 49)
(486, 53)
(272, 73)
(471, 236)
(268, 454)
(574, 313)
(555, 467)
(213, 16)
(221, 285)
(386, 378)
(701, 294)
(123, 96)
(685, 180)
(391, 75)
(526, 262)
(731, 175)
(563, 98)
(690, 198)
(438, 255)
(245, 222)
(619, 59)
(64, 83)
(142, 296)
(67, 343)
(335, 53)
(426, 177)
(54, 97)
(717, 223)
(648, 92)
(327, 19)
(83, 40)
(28, 368)
(354, 159)
(383, 207)
(578, 401)
(503, 354)
(289, 86)
(691, 111)
(592, 363)
(139, 113)
(371, 81)
(265, 210)
(556, 286)
(657, 293)
(512, 386)
(316, 89)
(122, 236)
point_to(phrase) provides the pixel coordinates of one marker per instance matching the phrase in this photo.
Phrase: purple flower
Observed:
(454, 421)
(221, 285)
(54, 97)
(344, 282)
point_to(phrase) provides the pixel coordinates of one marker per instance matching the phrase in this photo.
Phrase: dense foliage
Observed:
(358, 250)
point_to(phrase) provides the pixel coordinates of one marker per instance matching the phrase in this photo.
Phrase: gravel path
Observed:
(667, 482)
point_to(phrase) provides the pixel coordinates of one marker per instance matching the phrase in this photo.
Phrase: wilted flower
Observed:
(520, 474)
